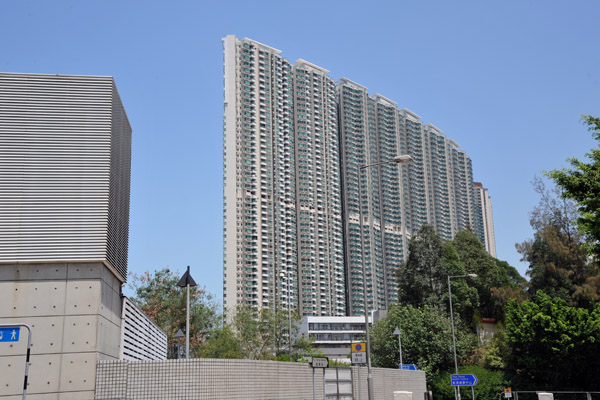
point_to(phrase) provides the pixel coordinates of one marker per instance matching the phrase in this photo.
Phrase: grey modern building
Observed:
(65, 146)
(65, 160)
(293, 143)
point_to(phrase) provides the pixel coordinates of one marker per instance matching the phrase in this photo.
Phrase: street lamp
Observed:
(398, 333)
(456, 389)
(186, 281)
(405, 158)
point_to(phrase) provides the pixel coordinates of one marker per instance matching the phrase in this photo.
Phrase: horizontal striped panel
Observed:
(57, 143)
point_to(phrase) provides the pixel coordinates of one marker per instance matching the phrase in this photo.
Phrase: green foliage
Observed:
(264, 335)
(423, 278)
(426, 339)
(222, 343)
(582, 184)
(159, 297)
(553, 345)
(558, 264)
(495, 351)
(496, 280)
(258, 335)
(490, 384)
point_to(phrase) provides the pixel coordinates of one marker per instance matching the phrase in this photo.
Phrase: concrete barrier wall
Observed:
(237, 379)
(74, 311)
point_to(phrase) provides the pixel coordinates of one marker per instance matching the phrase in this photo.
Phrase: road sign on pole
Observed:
(508, 392)
(359, 358)
(359, 347)
(359, 353)
(10, 334)
(319, 362)
(408, 367)
(463, 380)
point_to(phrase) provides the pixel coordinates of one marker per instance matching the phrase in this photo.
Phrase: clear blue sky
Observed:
(506, 79)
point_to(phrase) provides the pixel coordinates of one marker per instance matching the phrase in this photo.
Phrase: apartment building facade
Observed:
(282, 205)
(294, 142)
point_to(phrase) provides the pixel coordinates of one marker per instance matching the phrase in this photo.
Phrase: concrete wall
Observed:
(74, 311)
(237, 379)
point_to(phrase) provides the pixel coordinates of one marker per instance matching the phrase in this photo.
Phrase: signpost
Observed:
(359, 353)
(319, 362)
(11, 333)
(408, 367)
(463, 380)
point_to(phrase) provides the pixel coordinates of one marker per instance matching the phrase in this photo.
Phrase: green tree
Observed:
(159, 297)
(426, 339)
(264, 334)
(553, 346)
(558, 263)
(222, 343)
(582, 184)
(423, 278)
(496, 280)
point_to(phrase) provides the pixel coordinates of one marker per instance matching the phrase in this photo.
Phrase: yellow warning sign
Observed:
(359, 347)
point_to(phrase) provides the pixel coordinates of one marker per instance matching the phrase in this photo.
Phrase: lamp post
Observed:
(186, 281)
(456, 388)
(399, 334)
(396, 160)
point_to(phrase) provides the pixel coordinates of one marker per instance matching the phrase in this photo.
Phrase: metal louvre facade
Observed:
(65, 146)
(141, 338)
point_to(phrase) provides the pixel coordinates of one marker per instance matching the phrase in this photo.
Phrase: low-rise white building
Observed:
(333, 336)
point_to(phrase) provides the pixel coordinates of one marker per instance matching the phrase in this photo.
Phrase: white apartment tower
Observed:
(436, 188)
(487, 218)
(293, 145)
(281, 197)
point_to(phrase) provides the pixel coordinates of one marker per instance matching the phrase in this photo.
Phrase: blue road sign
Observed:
(463, 380)
(9, 334)
(409, 367)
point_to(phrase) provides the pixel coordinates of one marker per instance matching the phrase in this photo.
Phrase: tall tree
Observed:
(496, 280)
(159, 297)
(582, 184)
(558, 263)
(423, 278)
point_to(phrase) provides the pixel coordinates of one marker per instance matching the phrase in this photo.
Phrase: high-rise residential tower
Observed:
(294, 143)
(435, 188)
(282, 205)
(487, 218)
(318, 198)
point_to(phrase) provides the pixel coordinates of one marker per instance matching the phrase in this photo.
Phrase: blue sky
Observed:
(507, 80)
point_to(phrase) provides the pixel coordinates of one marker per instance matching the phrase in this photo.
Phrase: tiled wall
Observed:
(237, 379)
